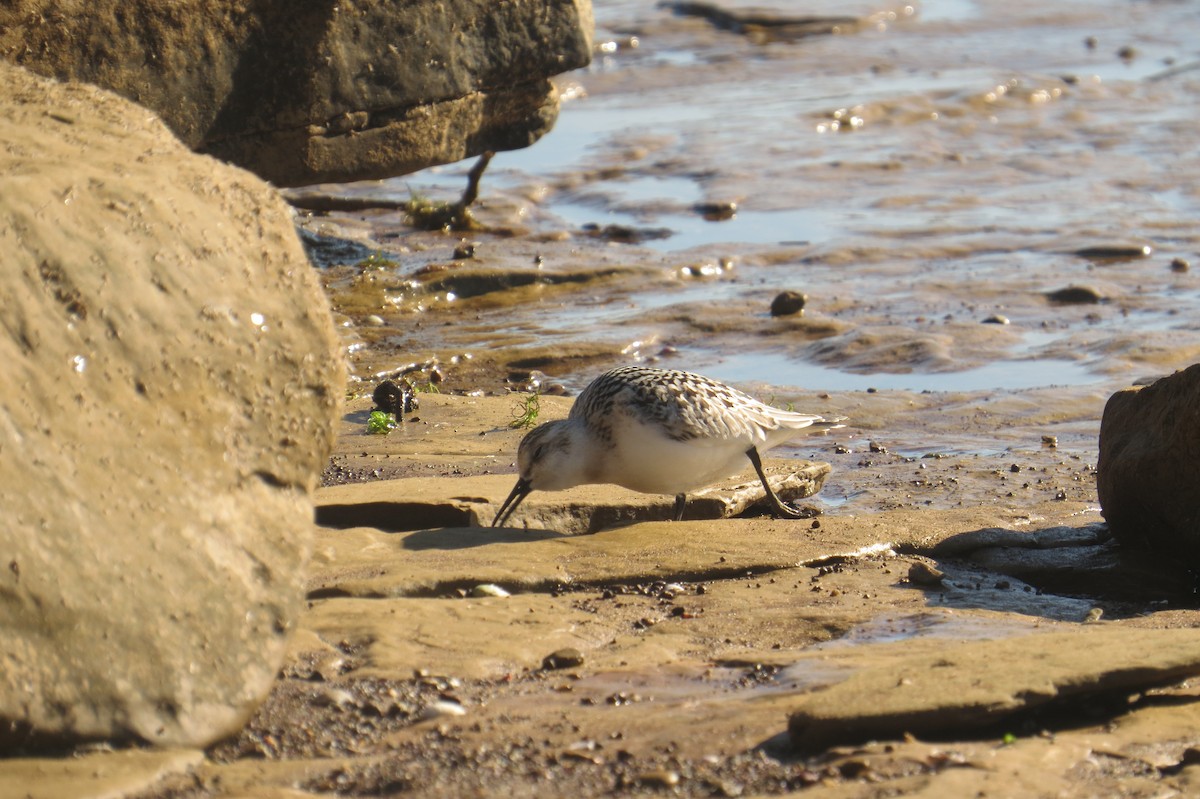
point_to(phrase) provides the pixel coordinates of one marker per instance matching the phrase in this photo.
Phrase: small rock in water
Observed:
(1050, 442)
(374, 320)
(921, 573)
(1117, 252)
(567, 658)
(488, 589)
(788, 303)
(996, 319)
(464, 251)
(1094, 615)
(1180, 265)
(1076, 295)
(716, 211)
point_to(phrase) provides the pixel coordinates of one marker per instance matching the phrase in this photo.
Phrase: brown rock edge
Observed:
(1149, 466)
(319, 91)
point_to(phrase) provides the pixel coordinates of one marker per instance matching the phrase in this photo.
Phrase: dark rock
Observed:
(996, 319)
(788, 303)
(626, 234)
(1075, 295)
(319, 91)
(171, 378)
(394, 399)
(764, 24)
(1180, 265)
(716, 211)
(1115, 252)
(1149, 475)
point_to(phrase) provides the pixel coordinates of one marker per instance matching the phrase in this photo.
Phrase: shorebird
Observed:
(656, 431)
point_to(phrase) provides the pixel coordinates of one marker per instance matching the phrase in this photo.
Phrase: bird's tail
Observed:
(810, 423)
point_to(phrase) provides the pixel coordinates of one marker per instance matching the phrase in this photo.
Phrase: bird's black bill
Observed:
(519, 492)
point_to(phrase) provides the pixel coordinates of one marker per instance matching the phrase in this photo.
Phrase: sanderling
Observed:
(657, 431)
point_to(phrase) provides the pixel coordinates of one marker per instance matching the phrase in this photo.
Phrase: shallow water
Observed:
(978, 146)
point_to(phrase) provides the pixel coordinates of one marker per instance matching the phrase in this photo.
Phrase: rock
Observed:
(658, 778)
(321, 92)
(996, 319)
(1115, 252)
(489, 590)
(171, 382)
(716, 211)
(960, 688)
(1180, 265)
(922, 573)
(1075, 295)
(787, 303)
(394, 399)
(765, 24)
(568, 658)
(1149, 478)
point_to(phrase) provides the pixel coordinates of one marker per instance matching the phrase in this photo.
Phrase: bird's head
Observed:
(547, 460)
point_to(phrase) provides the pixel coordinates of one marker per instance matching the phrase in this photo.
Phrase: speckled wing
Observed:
(688, 407)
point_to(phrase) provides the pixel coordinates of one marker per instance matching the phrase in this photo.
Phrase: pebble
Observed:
(374, 320)
(1050, 442)
(921, 573)
(488, 589)
(441, 708)
(996, 319)
(464, 251)
(1116, 252)
(566, 658)
(788, 303)
(716, 211)
(659, 778)
(1075, 295)
(1180, 265)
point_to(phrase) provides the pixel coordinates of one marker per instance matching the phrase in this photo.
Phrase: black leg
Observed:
(680, 501)
(780, 507)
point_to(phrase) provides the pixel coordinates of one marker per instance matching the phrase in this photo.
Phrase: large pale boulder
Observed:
(170, 378)
(321, 90)
(1149, 466)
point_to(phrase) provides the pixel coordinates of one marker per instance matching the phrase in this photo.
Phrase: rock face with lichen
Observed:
(1149, 474)
(170, 381)
(329, 90)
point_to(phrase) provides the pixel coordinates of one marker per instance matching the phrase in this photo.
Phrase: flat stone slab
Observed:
(418, 503)
(131, 772)
(949, 689)
(371, 563)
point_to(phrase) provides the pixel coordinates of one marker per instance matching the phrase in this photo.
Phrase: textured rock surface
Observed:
(948, 688)
(1149, 481)
(170, 376)
(320, 91)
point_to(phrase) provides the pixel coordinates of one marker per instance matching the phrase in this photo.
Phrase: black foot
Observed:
(680, 501)
(779, 508)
